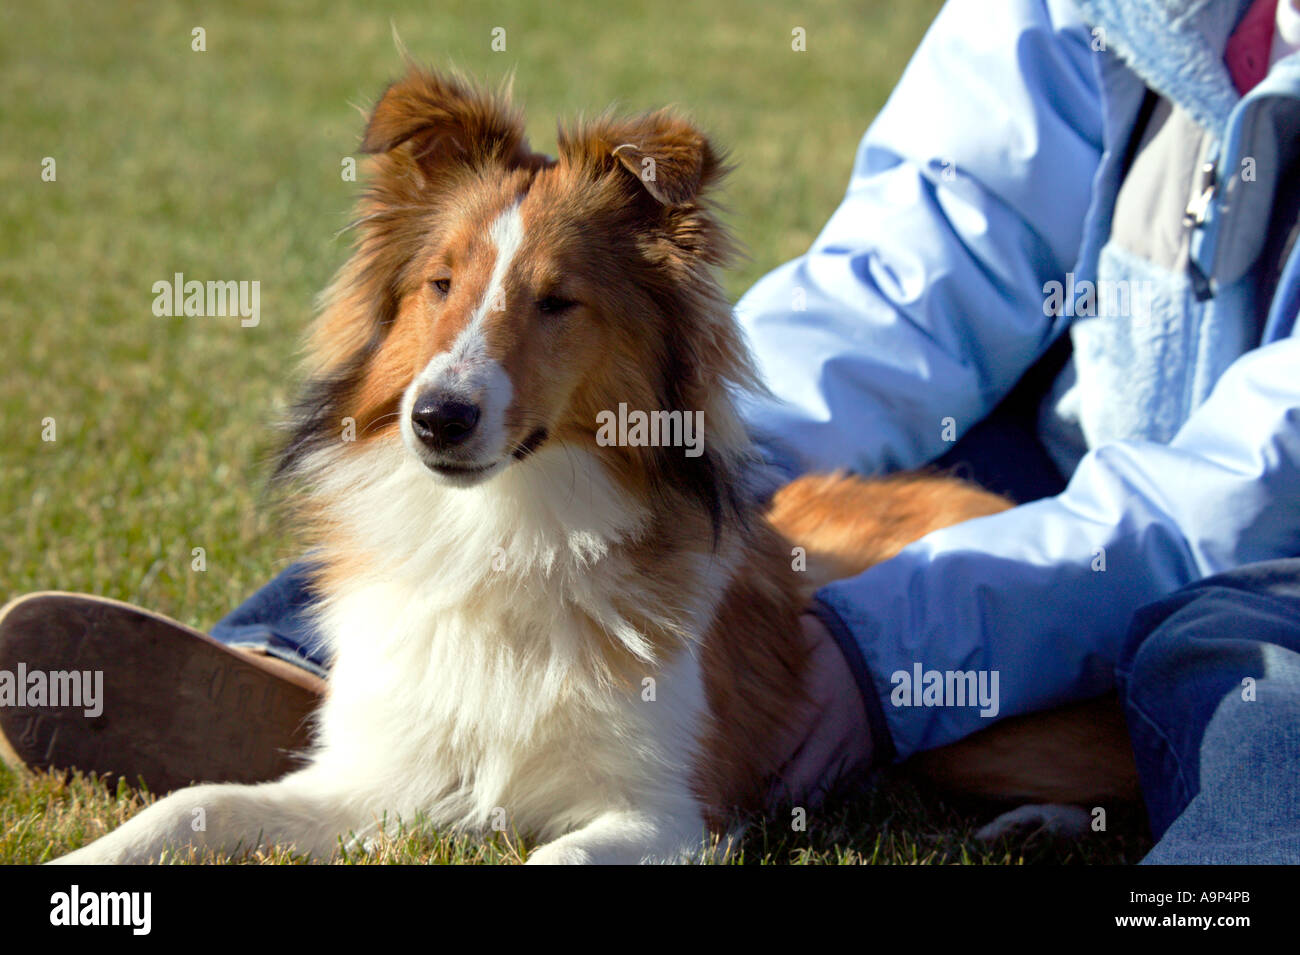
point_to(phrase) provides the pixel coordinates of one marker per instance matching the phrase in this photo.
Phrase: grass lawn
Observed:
(225, 164)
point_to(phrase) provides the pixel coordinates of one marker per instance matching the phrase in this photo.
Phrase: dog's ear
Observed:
(668, 168)
(672, 160)
(437, 119)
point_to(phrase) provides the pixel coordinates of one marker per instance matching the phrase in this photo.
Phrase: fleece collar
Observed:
(1176, 47)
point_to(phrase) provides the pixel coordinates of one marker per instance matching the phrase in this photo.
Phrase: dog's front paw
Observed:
(559, 853)
(92, 854)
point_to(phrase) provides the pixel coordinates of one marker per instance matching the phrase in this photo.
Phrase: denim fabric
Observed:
(275, 620)
(1210, 679)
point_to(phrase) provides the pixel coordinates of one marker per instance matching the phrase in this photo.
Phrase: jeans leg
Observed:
(1210, 679)
(275, 620)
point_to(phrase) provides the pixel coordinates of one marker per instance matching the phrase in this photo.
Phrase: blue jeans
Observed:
(275, 621)
(1210, 679)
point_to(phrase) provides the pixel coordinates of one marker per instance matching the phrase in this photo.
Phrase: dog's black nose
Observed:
(441, 421)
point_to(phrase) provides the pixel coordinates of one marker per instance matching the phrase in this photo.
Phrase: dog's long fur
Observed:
(597, 646)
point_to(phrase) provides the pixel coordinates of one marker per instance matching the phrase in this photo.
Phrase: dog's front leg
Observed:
(227, 817)
(628, 837)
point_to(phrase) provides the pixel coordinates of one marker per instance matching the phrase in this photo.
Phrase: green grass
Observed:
(895, 821)
(225, 164)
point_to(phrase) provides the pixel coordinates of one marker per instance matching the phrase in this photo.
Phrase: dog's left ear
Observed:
(671, 159)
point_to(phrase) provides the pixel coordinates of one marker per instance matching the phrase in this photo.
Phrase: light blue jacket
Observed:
(991, 173)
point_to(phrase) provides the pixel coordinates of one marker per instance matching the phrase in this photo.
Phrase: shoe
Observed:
(175, 706)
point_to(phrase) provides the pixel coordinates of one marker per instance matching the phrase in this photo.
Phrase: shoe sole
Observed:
(178, 707)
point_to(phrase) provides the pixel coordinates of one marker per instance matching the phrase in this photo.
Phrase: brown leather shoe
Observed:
(177, 706)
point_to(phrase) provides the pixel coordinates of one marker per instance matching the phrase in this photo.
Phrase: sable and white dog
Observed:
(596, 642)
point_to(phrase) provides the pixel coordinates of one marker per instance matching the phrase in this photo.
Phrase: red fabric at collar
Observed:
(1251, 44)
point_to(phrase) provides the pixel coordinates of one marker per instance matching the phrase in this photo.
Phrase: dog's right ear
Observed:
(434, 119)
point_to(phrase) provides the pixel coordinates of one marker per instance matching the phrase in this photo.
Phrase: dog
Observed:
(588, 633)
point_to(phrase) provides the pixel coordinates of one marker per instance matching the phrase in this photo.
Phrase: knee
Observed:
(1165, 637)
(1186, 652)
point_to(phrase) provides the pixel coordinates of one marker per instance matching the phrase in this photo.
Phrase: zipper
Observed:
(1194, 218)
(1194, 214)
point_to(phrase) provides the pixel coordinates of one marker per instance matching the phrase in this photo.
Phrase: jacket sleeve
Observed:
(922, 299)
(1043, 594)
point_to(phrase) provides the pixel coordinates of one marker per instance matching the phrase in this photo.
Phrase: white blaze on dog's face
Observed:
(453, 414)
(503, 327)
(499, 301)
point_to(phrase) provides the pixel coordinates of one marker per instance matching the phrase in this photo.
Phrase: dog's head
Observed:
(499, 301)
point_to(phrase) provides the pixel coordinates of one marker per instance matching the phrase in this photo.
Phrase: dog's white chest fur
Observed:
(469, 682)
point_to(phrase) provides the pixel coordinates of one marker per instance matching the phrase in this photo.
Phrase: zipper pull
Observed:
(1194, 214)
(1194, 218)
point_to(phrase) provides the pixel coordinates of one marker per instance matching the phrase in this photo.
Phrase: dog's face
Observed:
(500, 300)
(503, 321)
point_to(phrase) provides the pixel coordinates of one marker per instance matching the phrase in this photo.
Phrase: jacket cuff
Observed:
(882, 743)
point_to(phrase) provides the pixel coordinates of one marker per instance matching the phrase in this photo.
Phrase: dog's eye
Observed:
(441, 286)
(554, 305)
